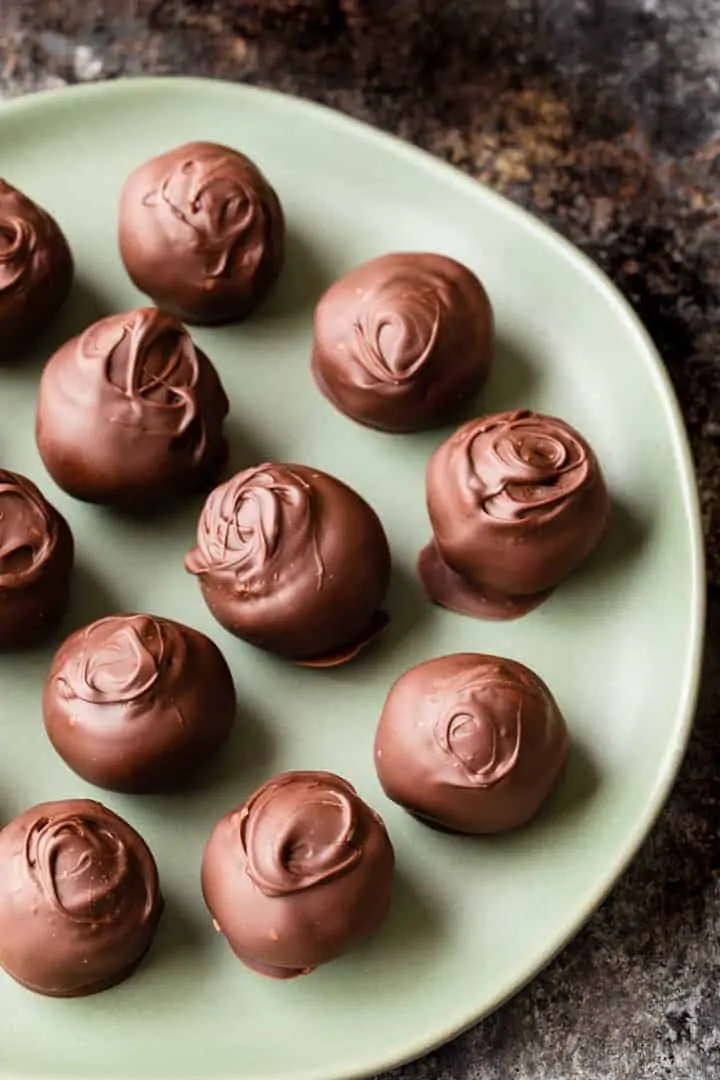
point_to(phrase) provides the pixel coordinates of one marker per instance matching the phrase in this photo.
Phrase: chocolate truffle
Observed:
(470, 743)
(130, 413)
(517, 500)
(201, 232)
(294, 561)
(36, 561)
(402, 341)
(298, 874)
(36, 270)
(137, 703)
(79, 898)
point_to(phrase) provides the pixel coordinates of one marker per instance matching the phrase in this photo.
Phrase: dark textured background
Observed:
(602, 116)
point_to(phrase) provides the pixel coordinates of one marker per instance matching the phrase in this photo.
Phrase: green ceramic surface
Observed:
(619, 643)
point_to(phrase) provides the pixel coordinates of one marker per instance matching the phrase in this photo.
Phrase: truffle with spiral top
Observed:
(471, 743)
(517, 500)
(202, 232)
(131, 412)
(36, 562)
(138, 703)
(402, 341)
(294, 561)
(298, 873)
(36, 270)
(80, 899)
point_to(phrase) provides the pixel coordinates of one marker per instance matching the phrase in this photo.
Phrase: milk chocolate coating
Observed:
(202, 232)
(130, 413)
(137, 703)
(471, 743)
(298, 874)
(79, 898)
(292, 560)
(36, 270)
(517, 500)
(36, 561)
(403, 340)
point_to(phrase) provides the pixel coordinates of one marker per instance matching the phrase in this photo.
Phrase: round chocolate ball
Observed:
(402, 341)
(517, 500)
(137, 703)
(293, 561)
(36, 270)
(130, 413)
(298, 874)
(470, 743)
(201, 232)
(36, 561)
(79, 898)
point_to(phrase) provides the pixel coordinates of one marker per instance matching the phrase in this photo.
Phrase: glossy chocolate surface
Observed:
(517, 500)
(201, 232)
(130, 412)
(79, 898)
(292, 560)
(36, 561)
(138, 703)
(298, 873)
(36, 270)
(402, 341)
(471, 743)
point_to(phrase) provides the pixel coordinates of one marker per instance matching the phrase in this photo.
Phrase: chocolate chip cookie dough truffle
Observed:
(298, 874)
(130, 413)
(293, 561)
(36, 270)
(137, 703)
(471, 743)
(402, 341)
(517, 500)
(79, 898)
(36, 561)
(201, 232)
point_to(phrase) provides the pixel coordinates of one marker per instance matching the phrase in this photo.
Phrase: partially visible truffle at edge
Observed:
(36, 270)
(80, 899)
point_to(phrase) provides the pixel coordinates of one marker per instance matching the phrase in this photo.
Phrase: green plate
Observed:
(619, 644)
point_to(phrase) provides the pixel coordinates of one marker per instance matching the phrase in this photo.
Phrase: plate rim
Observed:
(40, 101)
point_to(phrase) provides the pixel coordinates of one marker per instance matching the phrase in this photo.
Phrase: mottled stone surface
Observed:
(602, 116)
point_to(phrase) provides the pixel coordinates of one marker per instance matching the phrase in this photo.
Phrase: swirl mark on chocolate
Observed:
(398, 325)
(298, 831)
(521, 465)
(120, 661)
(151, 362)
(28, 532)
(18, 242)
(250, 522)
(81, 867)
(480, 727)
(209, 198)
